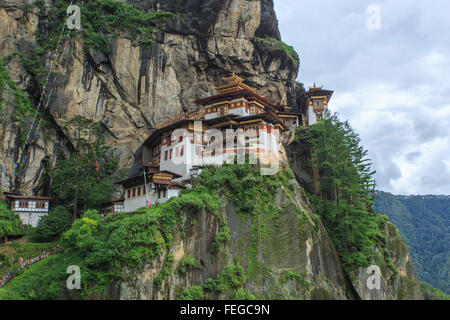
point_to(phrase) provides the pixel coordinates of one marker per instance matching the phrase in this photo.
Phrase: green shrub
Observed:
(242, 294)
(52, 226)
(165, 272)
(272, 44)
(188, 263)
(10, 224)
(288, 275)
(23, 106)
(104, 19)
(192, 293)
(229, 283)
(221, 237)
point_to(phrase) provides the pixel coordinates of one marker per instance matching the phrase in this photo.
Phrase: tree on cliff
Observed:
(346, 184)
(50, 227)
(84, 177)
(10, 224)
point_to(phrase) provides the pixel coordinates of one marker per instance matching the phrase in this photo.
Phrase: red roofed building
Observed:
(229, 125)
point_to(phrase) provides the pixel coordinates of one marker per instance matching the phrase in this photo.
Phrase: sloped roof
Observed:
(19, 197)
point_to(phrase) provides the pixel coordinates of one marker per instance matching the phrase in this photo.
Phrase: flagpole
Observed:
(146, 189)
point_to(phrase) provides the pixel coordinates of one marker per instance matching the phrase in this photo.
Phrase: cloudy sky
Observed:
(392, 83)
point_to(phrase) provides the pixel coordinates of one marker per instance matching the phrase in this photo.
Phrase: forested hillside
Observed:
(424, 223)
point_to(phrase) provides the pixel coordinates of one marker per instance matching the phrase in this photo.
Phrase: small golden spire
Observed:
(234, 83)
(233, 79)
(315, 87)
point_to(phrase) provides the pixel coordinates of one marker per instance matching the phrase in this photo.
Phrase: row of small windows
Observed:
(26, 204)
(135, 192)
(168, 154)
(140, 191)
(225, 107)
(168, 141)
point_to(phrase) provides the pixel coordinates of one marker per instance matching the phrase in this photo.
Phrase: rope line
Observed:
(23, 151)
(38, 127)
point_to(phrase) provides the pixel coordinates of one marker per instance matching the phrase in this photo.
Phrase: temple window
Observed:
(129, 193)
(170, 156)
(134, 192)
(40, 205)
(180, 139)
(23, 204)
(165, 155)
(139, 191)
(182, 151)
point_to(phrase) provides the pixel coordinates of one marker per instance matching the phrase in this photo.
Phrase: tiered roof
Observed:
(234, 89)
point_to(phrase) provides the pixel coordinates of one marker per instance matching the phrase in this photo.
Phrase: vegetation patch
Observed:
(288, 276)
(221, 238)
(83, 180)
(345, 203)
(52, 226)
(423, 222)
(431, 293)
(191, 293)
(187, 263)
(272, 44)
(23, 106)
(104, 19)
(253, 196)
(12, 252)
(166, 271)
(10, 224)
(103, 247)
(229, 284)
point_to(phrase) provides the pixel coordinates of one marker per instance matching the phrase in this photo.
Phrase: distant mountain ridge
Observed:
(424, 223)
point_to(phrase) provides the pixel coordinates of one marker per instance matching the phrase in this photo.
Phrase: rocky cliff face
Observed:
(133, 87)
(287, 255)
(402, 284)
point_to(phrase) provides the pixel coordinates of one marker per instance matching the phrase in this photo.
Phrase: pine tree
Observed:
(346, 182)
(83, 178)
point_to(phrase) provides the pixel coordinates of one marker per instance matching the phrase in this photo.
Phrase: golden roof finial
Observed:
(234, 83)
(233, 79)
(315, 87)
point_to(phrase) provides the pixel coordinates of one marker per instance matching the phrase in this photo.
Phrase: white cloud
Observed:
(392, 84)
